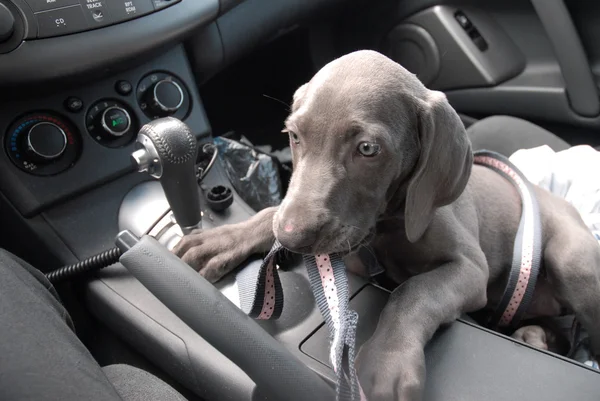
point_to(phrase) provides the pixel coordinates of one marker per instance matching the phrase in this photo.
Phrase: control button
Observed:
(123, 88)
(463, 21)
(122, 10)
(61, 21)
(165, 97)
(45, 5)
(74, 104)
(97, 13)
(116, 121)
(479, 41)
(46, 140)
(7, 23)
(159, 4)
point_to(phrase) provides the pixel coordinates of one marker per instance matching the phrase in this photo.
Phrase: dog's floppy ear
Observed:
(444, 163)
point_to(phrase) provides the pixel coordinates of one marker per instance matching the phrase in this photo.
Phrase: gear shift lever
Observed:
(166, 148)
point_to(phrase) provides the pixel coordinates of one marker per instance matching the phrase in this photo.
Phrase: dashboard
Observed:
(53, 39)
(80, 77)
(47, 44)
(63, 144)
(61, 17)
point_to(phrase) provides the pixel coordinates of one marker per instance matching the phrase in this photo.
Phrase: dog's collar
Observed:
(527, 250)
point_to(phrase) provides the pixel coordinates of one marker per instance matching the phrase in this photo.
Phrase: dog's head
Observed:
(368, 138)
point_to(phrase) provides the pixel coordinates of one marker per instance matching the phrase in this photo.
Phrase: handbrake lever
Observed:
(210, 314)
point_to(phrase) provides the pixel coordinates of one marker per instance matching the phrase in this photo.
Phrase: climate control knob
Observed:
(116, 121)
(160, 94)
(165, 97)
(111, 123)
(42, 143)
(46, 141)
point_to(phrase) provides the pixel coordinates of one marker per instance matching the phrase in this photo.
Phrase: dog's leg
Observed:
(572, 261)
(532, 335)
(391, 365)
(217, 251)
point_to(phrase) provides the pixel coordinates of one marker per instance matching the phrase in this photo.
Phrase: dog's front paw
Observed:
(214, 252)
(391, 375)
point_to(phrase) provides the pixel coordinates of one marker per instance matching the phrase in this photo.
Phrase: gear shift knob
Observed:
(166, 148)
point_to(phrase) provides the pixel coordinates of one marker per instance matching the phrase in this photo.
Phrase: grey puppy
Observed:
(380, 159)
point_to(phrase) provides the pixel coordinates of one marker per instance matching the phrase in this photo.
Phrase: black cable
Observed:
(125, 239)
(88, 265)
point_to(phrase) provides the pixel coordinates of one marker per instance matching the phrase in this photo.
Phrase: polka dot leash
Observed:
(259, 287)
(527, 250)
(261, 297)
(329, 283)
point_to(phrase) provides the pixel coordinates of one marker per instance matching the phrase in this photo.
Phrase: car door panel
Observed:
(541, 61)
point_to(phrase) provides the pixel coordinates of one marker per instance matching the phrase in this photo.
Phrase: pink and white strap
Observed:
(527, 250)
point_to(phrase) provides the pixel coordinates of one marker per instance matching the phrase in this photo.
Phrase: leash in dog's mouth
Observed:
(261, 297)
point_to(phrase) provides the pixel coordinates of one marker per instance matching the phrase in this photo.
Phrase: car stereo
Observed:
(61, 17)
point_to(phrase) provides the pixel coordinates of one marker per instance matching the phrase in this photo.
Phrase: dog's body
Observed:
(378, 158)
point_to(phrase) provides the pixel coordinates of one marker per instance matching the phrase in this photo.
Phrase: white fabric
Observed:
(573, 174)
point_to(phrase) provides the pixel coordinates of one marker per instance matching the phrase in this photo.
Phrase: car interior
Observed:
(229, 68)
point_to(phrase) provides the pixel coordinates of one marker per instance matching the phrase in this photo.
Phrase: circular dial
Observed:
(7, 23)
(116, 121)
(12, 26)
(160, 95)
(111, 123)
(46, 140)
(165, 97)
(42, 143)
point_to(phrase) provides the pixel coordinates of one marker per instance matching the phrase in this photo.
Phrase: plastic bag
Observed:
(253, 174)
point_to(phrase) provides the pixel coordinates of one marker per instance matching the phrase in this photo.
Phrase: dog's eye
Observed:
(295, 138)
(368, 149)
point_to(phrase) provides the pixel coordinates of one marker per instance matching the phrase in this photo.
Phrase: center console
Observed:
(67, 143)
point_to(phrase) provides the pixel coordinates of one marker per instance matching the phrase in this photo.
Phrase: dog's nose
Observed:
(296, 236)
